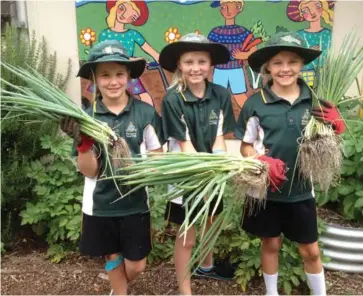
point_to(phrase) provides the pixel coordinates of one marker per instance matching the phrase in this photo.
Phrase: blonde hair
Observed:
(178, 81)
(328, 14)
(265, 73)
(111, 19)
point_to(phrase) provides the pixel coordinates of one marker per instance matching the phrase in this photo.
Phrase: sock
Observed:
(317, 282)
(271, 283)
(206, 268)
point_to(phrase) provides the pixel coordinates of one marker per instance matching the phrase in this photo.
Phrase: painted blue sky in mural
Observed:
(83, 2)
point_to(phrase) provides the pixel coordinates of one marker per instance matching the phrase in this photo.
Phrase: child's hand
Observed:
(277, 169)
(72, 128)
(329, 114)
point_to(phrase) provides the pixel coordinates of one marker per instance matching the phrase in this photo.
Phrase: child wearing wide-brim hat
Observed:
(196, 115)
(118, 231)
(270, 126)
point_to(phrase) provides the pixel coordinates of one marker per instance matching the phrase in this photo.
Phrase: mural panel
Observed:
(145, 27)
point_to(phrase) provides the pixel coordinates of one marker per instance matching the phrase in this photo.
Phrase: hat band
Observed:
(107, 54)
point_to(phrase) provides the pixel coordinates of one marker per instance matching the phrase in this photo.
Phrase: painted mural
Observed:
(145, 27)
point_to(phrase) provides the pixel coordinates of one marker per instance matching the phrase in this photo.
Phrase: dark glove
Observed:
(329, 114)
(72, 128)
(277, 169)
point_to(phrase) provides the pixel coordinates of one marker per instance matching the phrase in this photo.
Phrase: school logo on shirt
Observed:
(131, 130)
(305, 118)
(213, 118)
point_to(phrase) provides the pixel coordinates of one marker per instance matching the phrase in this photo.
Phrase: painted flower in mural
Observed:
(87, 36)
(172, 35)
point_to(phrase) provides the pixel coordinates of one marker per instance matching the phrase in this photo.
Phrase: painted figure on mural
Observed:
(316, 36)
(120, 14)
(240, 42)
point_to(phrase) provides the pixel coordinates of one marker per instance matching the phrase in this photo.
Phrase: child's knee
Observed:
(113, 261)
(189, 243)
(136, 267)
(271, 244)
(310, 252)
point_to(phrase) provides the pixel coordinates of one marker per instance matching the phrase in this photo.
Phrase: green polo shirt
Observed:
(199, 120)
(140, 126)
(274, 125)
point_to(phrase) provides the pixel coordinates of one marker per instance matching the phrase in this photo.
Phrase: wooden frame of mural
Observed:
(144, 27)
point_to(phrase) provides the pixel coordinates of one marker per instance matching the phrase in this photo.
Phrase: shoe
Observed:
(216, 272)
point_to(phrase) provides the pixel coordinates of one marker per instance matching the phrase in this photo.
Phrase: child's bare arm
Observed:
(219, 144)
(247, 149)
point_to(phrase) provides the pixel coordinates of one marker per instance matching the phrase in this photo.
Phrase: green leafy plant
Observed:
(20, 143)
(349, 191)
(163, 240)
(55, 211)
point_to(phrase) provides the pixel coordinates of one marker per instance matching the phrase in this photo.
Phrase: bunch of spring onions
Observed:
(201, 179)
(41, 100)
(320, 154)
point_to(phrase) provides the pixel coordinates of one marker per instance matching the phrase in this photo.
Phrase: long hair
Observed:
(327, 15)
(111, 18)
(266, 76)
(178, 81)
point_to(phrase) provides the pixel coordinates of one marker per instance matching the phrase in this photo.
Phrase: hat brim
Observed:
(262, 55)
(135, 66)
(171, 53)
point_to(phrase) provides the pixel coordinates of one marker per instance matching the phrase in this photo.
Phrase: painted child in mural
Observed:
(240, 43)
(316, 36)
(121, 13)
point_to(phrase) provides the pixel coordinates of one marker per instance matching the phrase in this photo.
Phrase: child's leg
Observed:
(136, 241)
(115, 268)
(266, 223)
(134, 268)
(270, 263)
(208, 261)
(182, 255)
(310, 254)
(270, 254)
(301, 226)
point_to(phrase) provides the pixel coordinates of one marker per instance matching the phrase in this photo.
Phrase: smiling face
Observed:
(195, 66)
(229, 10)
(126, 14)
(311, 10)
(111, 80)
(285, 68)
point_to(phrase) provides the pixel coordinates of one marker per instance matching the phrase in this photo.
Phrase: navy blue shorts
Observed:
(176, 213)
(296, 220)
(128, 235)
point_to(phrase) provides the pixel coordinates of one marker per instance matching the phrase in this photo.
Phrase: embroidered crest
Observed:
(305, 118)
(213, 118)
(131, 130)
